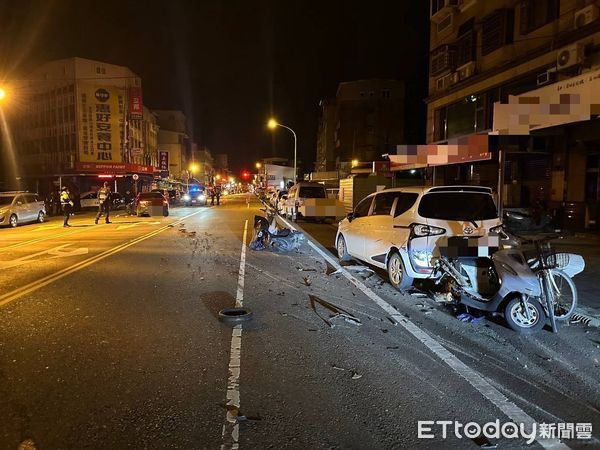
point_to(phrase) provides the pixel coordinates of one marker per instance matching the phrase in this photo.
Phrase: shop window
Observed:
(537, 13)
(497, 30)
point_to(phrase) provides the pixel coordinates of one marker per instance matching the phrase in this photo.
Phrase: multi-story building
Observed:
(78, 119)
(531, 51)
(174, 146)
(363, 122)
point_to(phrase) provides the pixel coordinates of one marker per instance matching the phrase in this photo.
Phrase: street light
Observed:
(193, 168)
(2, 94)
(354, 162)
(272, 124)
(258, 165)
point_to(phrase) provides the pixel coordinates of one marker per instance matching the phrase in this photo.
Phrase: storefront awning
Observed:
(573, 100)
(471, 148)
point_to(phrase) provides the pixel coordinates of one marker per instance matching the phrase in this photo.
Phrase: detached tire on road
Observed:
(235, 315)
(396, 273)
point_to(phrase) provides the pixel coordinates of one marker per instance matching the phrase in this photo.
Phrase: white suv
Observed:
(402, 229)
(18, 207)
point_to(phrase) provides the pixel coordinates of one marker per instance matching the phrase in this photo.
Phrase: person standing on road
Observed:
(212, 196)
(104, 203)
(218, 194)
(67, 205)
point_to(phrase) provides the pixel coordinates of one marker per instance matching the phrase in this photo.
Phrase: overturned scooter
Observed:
(501, 279)
(272, 238)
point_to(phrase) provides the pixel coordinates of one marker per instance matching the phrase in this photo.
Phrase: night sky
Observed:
(230, 64)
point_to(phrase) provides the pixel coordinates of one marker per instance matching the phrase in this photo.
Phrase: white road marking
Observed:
(231, 427)
(478, 381)
(56, 252)
(51, 278)
(135, 224)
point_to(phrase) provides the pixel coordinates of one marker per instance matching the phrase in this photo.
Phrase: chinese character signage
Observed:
(163, 160)
(100, 123)
(136, 108)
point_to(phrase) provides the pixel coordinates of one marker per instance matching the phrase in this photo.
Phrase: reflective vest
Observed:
(102, 195)
(64, 198)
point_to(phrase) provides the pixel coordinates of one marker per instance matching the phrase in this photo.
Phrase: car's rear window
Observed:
(312, 192)
(6, 199)
(150, 195)
(458, 206)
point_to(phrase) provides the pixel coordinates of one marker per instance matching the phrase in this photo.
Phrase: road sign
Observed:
(135, 177)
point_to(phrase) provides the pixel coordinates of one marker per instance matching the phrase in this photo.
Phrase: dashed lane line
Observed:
(231, 427)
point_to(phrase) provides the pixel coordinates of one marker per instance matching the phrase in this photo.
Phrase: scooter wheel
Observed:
(521, 322)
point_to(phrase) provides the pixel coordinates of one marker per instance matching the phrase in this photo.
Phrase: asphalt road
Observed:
(110, 338)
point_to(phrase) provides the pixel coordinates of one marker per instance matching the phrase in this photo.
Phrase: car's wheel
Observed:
(13, 221)
(342, 250)
(41, 217)
(517, 318)
(398, 276)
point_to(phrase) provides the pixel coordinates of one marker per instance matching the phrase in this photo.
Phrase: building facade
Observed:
(174, 146)
(363, 122)
(78, 119)
(485, 53)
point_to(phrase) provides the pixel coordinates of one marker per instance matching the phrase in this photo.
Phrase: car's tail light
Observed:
(422, 230)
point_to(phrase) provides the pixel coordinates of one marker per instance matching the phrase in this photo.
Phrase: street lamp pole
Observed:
(272, 124)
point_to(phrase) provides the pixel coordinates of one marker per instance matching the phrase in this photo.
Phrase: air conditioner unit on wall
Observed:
(569, 56)
(443, 82)
(586, 15)
(466, 70)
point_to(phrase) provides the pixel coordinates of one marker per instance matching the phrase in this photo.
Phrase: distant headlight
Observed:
(202, 197)
(186, 198)
(3, 211)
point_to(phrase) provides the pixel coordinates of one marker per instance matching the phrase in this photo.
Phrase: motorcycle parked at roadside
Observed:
(528, 291)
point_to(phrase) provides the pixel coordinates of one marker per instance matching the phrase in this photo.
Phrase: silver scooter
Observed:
(527, 292)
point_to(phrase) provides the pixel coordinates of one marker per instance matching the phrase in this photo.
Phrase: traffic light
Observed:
(245, 175)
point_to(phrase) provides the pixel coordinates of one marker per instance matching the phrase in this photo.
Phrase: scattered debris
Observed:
(392, 348)
(336, 310)
(392, 321)
(359, 269)
(337, 368)
(307, 281)
(469, 318)
(384, 330)
(329, 270)
(418, 294)
(356, 376)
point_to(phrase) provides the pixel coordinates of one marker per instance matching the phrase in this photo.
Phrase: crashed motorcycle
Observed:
(270, 237)
(496, 276)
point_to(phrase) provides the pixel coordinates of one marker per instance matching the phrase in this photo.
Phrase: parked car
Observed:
(89, 199)
(19, 207)
(309, 200)
(402, 229)
(151, 204)
(276, 200)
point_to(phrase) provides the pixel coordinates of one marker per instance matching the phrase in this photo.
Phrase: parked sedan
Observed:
(152, 204)
(20, 207)
(403, 229)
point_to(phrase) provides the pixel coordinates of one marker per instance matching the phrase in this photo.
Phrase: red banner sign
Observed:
(136, 107)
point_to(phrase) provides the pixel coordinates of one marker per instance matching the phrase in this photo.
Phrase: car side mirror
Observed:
(350, 216)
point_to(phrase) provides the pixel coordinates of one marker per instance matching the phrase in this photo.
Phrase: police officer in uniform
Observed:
(103, 203)
(67, 205)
